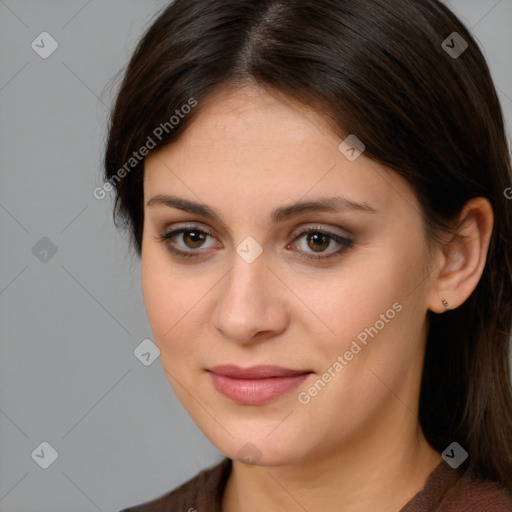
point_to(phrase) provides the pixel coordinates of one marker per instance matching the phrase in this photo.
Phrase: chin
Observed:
(258, 448)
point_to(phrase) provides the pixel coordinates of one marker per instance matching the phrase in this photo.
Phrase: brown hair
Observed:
(375, 68)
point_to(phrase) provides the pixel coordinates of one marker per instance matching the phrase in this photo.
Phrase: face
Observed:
(338, 294)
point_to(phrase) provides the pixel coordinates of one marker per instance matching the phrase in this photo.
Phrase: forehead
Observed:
(252, 121)
(250, 140)
(252, 113)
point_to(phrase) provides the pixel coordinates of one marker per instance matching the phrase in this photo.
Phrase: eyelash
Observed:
(345, 243)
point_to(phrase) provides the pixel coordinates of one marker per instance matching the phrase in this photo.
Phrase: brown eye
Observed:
(317, 241)
(192, 240)
(196, 238)
(192, 243)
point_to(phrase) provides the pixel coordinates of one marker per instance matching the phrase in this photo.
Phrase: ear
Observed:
(462, 260)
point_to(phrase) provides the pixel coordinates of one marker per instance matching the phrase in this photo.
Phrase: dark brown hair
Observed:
(377, 69)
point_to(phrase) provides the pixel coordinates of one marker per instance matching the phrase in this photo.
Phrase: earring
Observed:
(445, 303)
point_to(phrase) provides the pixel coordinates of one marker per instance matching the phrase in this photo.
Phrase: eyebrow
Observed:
(328, 204)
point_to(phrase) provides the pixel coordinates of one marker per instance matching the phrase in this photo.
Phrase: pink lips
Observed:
(256, 385)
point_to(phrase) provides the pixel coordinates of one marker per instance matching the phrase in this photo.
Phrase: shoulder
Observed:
(201, 493)
(456, 490)
(475, 495)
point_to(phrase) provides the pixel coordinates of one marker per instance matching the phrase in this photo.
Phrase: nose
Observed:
(251, 303)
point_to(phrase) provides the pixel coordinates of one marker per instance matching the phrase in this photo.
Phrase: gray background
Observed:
(69, 324)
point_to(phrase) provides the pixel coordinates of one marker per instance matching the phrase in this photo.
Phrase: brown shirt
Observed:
(446, 490)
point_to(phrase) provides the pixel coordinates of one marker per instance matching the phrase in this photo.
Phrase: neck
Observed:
(376, 470)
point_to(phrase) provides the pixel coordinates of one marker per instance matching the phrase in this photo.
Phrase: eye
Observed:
(319, 240)
(192, 238)
(316, 239)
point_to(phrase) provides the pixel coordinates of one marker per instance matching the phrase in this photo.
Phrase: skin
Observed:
(358, 443)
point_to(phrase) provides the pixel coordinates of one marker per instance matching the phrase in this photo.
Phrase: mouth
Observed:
(256, 385)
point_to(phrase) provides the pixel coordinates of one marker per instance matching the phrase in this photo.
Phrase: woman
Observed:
(318, 194)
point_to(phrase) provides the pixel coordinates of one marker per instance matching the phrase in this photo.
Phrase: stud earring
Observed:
(445, 303)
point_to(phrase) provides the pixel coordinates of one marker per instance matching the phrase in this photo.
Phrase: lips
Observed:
(255, 372)
(255, 385)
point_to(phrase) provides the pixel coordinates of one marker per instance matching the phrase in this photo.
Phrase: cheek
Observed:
(331, 307)
(348, 301)
(175, 303)
(154, 291)
(368, 302)
(164, 296)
